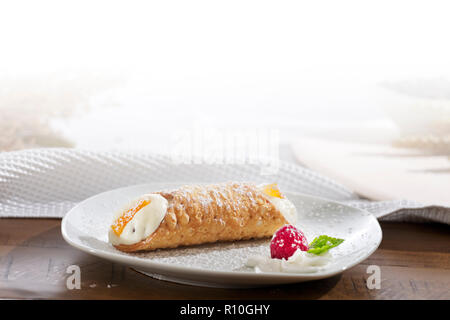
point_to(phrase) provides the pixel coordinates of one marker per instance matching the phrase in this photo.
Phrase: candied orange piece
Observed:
(272, 190)
(126, 217)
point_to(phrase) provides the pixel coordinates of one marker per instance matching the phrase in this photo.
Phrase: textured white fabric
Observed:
(48, 182)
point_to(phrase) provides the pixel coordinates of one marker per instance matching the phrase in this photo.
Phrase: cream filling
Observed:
(284, 205)
(144, 222)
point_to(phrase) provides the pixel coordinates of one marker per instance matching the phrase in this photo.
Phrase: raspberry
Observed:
(286, 241)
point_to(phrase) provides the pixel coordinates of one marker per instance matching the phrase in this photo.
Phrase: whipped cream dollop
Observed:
(299, 262)
(144, 222)
(284, 205)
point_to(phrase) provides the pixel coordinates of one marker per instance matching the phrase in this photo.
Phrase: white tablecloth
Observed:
(48, 182)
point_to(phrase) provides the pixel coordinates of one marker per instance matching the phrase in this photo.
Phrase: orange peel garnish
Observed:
(126, 217)
(272, 190)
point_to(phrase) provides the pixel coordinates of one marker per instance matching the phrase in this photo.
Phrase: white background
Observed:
(146, 68)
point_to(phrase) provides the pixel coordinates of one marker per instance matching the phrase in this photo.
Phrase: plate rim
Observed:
(136, 262)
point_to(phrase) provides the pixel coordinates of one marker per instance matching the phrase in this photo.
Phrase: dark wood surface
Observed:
(414, 261)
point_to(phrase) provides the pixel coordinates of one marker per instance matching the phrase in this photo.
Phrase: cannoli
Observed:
(199, 214)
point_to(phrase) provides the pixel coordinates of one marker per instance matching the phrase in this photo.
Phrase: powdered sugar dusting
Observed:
(225, 256)
(216, 195)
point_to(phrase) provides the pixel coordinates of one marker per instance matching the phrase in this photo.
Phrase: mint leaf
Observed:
(323, 243)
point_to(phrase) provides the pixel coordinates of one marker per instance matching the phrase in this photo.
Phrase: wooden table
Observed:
(414, 261)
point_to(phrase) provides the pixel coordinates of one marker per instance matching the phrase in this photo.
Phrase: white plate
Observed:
(223, 264)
